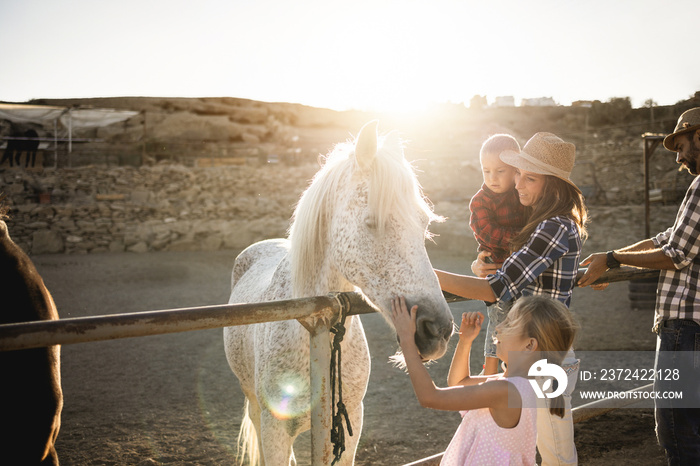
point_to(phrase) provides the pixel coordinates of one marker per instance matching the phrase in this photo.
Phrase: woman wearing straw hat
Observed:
(544, 262)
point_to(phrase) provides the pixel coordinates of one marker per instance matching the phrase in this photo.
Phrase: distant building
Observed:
(538, 102)
(504, 101)
(582, 103)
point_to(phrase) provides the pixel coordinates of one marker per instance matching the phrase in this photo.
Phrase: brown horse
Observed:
(31, 398)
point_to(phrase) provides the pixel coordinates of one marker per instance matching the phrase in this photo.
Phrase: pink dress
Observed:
(480, 441)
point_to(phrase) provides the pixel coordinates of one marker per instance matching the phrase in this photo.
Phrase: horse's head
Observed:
(363, 223)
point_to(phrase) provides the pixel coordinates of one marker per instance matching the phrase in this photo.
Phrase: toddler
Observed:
(496, 217)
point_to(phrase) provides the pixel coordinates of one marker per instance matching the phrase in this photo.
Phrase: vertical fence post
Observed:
(320, 363)
(55, 143)
(651, 142)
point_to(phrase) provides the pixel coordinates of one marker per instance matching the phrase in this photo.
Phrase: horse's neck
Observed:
(326, 279)
(329, 279)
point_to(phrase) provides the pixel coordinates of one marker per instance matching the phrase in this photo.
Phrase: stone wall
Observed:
(169, 207)
(160, 208)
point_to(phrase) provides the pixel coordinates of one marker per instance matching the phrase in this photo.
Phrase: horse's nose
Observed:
(427, 327)
(434, 326)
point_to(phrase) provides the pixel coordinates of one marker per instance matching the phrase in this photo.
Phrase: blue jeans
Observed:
(678, 421)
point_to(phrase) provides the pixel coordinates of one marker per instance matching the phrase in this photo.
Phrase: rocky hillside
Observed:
(216, 173)
(224, 131)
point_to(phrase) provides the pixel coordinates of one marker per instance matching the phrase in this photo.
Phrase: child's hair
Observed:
(561, 198)
(550, 323)
(498, 143)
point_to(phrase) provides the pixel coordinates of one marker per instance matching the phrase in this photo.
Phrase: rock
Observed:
(47, 242)
(184, 125)
(14, 189)
(116, 246)
(139, 247)
(250, 138)
(148, 462)
(211, 243)
(141, 196)
(183, 245)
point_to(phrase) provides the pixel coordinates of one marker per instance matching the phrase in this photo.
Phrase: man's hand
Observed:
(597, 264)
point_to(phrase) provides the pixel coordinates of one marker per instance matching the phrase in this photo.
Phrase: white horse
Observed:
(361, 225)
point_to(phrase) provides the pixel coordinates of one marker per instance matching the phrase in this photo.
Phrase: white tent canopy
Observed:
(95, 117)
(67, 116)
(30, 113)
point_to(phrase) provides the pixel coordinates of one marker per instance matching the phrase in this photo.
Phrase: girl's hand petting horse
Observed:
(470, 326)
(404, 320)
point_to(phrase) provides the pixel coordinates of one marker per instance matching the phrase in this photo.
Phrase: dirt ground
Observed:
(172, 399)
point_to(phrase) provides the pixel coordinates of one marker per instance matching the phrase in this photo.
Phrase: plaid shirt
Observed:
(546, 265)
(495, 220)
(678, 293)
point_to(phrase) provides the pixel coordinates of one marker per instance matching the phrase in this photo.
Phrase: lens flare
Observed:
(287, 397)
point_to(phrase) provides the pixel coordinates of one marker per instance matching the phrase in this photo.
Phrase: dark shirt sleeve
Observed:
(549, 242)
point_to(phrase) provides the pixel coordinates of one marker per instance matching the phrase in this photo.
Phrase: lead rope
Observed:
(339, 410)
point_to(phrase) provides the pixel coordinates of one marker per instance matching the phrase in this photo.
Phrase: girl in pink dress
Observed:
(498, 412)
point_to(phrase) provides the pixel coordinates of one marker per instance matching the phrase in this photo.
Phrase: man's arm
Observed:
(642, 254)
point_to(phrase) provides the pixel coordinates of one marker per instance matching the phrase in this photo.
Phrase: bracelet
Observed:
(610, 260)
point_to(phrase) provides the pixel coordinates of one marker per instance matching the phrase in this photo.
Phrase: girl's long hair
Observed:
(558, 198)
(550, 323)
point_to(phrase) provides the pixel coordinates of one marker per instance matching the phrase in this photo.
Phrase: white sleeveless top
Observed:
(480, 441)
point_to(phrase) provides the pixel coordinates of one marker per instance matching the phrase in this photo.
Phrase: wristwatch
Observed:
(610, 260)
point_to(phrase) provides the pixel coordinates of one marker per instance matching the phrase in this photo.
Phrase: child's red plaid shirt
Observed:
(495, 220)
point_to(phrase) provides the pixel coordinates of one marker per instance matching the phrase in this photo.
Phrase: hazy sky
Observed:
(366, 54)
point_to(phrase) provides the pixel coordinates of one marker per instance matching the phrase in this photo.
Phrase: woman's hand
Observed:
(470, 326)
(404, 321)
(481, 268)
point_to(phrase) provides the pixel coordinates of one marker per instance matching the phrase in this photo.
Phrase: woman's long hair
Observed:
(558, 198)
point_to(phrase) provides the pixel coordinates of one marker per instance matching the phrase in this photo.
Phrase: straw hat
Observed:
(688, 121)
(546, 154)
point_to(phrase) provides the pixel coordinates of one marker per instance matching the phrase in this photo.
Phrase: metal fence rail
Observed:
(138, 324)
(109, 327)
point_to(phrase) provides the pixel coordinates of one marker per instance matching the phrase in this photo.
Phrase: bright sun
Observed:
(388, 58)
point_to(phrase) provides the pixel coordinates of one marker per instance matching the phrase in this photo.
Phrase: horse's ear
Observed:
(366, 145)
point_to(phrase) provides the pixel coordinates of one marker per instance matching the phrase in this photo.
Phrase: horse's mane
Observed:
(393, 190)
(4, 209)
